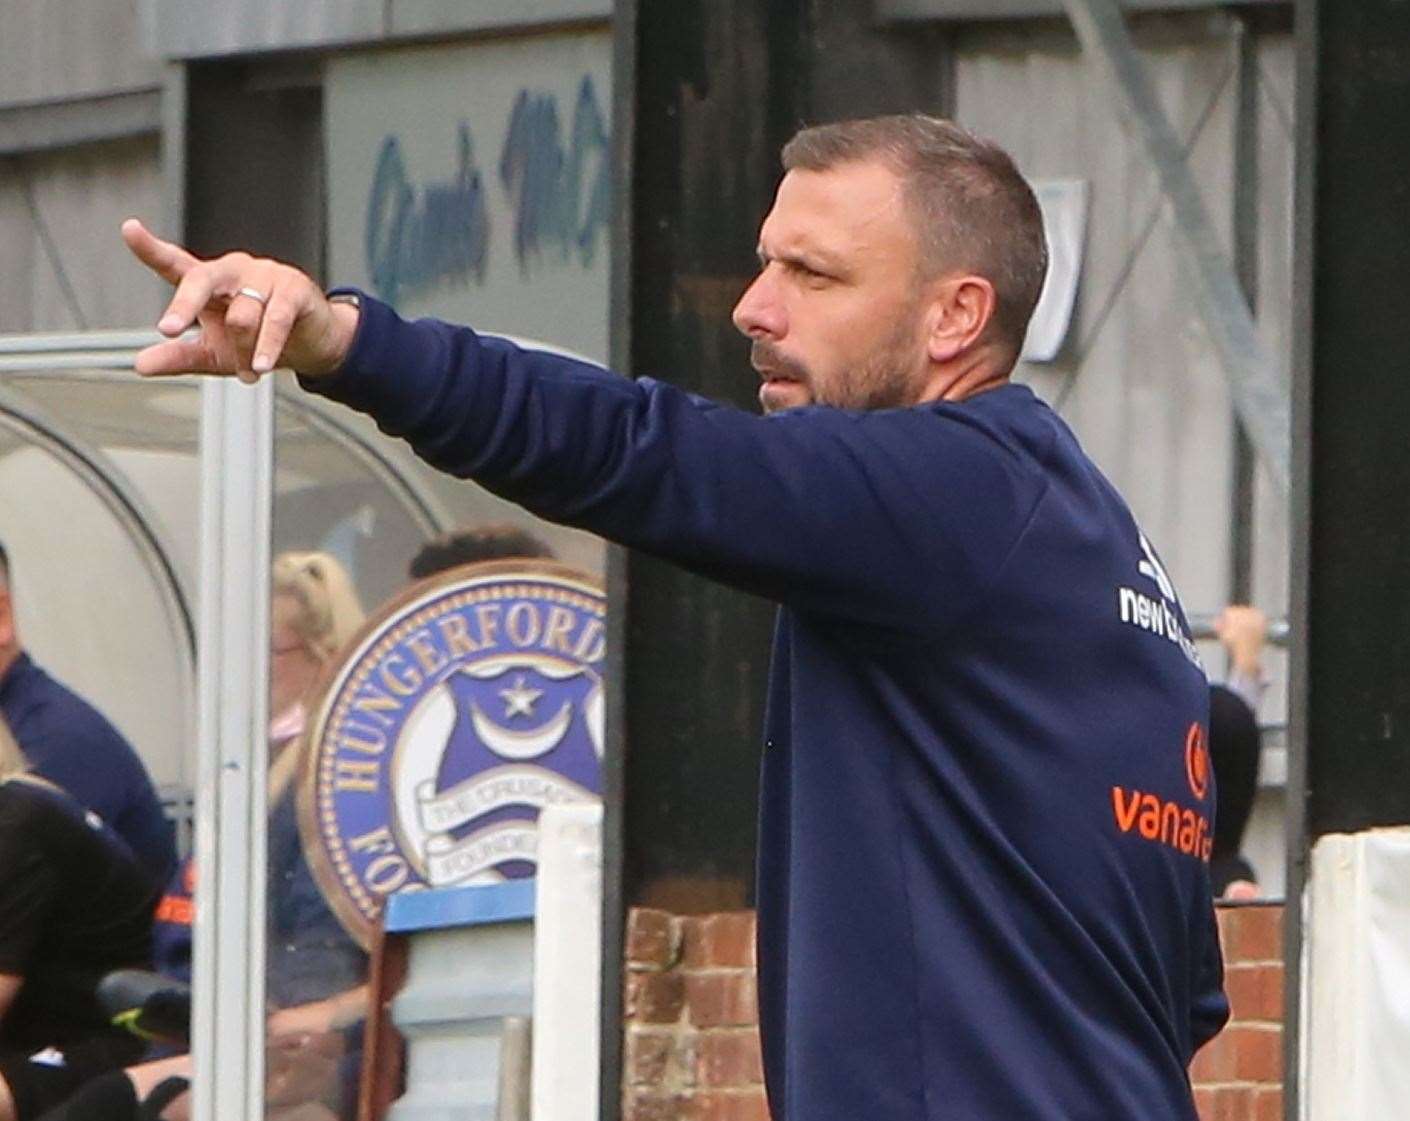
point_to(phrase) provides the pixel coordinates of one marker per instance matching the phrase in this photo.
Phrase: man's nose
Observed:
(759, 313)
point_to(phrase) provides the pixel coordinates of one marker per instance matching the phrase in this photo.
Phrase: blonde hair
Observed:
(329, 615)
(329, 610)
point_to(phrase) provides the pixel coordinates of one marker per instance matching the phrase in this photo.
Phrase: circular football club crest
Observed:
(468, 704)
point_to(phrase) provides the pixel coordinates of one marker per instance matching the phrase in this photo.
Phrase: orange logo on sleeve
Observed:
(175, 910)
(1197, 760)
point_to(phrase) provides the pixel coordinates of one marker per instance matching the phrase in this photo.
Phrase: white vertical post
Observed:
(568, 963)
(237, 449)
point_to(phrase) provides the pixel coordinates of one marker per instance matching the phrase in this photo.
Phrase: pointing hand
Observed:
(254, 313)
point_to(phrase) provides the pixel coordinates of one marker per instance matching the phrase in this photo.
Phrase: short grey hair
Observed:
(972, 207)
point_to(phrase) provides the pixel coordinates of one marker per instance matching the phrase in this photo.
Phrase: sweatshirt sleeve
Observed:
(849, 514)
(1209, 1006)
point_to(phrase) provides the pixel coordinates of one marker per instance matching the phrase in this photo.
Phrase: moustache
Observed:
(765, 357)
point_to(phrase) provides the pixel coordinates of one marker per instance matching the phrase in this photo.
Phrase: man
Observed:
(985, 795)
(73, 745)
(74, 906)
(1235, 745)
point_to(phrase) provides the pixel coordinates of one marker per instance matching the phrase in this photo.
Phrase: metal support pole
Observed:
(1260, 398)
(228, 1020)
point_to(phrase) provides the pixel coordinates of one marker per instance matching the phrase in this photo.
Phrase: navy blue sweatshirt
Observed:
(986, 808)
(74, 746)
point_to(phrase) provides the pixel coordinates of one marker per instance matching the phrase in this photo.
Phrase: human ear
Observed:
(7, 620)
(963, 308)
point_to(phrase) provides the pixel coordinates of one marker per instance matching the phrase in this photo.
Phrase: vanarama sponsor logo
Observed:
(1162, 821)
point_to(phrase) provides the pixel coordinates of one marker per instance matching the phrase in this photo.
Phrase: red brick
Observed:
(719, 940)
(1258, 1055)
(1240, 1053)
(652, 939)
(638, 1105)
(725, 1105)
(1214, 1062)
(1252, 933)
(1255, 992)
(654, 998)
(1268, 1105)
(1225, 1103)
(647, 1057)
(729, 1058)
(721, 1000)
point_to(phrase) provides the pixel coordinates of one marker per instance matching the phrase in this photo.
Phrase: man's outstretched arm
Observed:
(826, 510)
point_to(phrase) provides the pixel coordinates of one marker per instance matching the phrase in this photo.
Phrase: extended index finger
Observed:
(165, 258)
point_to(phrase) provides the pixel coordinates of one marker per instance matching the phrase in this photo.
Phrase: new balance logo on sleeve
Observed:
(1159, 614)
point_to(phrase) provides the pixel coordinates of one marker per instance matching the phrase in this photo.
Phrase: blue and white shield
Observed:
(467, 708)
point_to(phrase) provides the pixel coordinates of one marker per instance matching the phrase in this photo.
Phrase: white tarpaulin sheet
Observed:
(1356, 1034)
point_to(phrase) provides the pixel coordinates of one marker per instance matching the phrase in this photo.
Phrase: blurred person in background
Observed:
(314, 970)
(74, 746)
(314, 611)
(495, 541)
(1235, 745)
(75, 904)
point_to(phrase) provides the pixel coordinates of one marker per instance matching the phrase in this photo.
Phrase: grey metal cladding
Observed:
(207, 28)
(418, 17)
(970, 10)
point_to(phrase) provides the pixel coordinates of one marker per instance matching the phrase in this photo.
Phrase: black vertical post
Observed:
(1246, 265)
(718, 86)
(707, 92)
(1351, 395)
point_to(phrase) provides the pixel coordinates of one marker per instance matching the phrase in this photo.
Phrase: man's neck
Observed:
(966, 377)
(9, 655)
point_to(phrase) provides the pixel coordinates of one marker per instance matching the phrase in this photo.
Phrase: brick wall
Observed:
(692, 1039)
(1239, 1076)
(691, 1051)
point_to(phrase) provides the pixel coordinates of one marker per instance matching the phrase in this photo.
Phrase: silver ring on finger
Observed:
(254, 294)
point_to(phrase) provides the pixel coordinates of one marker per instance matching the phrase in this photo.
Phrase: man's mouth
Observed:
(773, 366)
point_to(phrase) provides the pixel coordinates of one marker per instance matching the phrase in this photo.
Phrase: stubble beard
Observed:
(887, 378)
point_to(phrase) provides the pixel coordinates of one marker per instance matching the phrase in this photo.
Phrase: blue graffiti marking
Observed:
(445, 237)
(553, 212)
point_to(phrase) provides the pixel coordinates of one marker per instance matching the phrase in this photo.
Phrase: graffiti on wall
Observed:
(555, 190)
(441, 237)
(561, 196)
